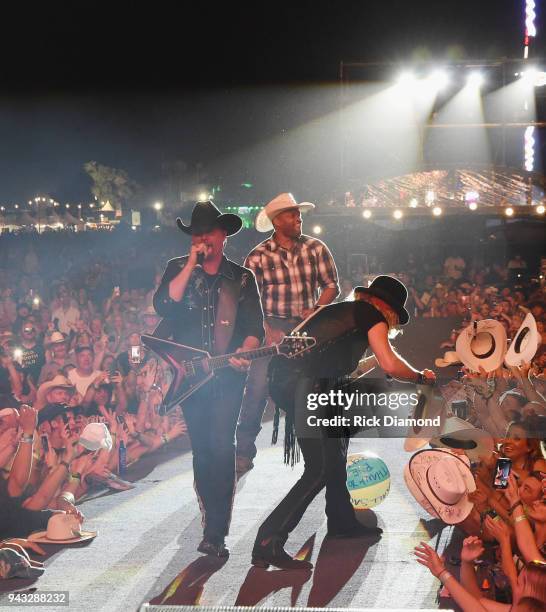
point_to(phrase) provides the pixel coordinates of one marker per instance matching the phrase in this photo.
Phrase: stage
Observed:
(146, 548)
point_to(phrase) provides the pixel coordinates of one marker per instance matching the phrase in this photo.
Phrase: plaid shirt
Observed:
(289, 281)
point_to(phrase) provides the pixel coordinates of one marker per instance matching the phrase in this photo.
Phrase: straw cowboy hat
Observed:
(206, 216)
(450, 358)
(429, 405)
(282, 203)
(525, 343)
(462, 435)
(440, 481)
(482, 343)
(62, 529)
(57, 381)
(56, 338)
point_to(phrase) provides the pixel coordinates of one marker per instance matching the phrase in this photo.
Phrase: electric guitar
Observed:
(191, 368)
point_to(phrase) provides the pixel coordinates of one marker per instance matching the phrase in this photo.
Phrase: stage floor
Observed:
(146, 547)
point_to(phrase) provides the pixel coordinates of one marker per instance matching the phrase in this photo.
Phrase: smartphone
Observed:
(460, 409)
(45, 444)
(117, 292)
(120, 419)
(502, 472)
(135, 354)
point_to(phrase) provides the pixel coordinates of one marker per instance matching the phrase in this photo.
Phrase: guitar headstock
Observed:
(296, 344)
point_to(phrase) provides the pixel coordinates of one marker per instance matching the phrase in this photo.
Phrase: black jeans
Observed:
(211, 415)
(325, 466)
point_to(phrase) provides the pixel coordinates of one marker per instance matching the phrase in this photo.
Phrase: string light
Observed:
(529, 146)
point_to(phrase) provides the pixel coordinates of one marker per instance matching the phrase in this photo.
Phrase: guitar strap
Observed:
(226, 313)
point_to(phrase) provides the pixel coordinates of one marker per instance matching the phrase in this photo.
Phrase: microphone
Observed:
(200, 259)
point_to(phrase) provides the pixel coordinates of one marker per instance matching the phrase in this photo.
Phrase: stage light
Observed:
(439, 79)
(203, 197)
(317, 229)
(406, 79)
(67, 205)
(16, 206)
(79, 206)
(158, 205)
(91, 206)
(473, 206)
(413, 203)
(133, 227)
(398, 214)
(436, 211)
(367, 214)
(509, 211)
(471, 196)
(475, 79)
(2, 208)
(529, 148)
(530, 27)
(30, 202)
(540, 209)
(430, 197)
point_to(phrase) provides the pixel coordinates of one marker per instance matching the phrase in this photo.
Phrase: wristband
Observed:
(75, 476)
(514, 506)
(443, 576)
(518, 519)
(164, 438)
(27, 439)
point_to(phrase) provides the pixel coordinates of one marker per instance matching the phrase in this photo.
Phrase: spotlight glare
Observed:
(158, 205)
(367, 214)
(509, 211)
(133, 227)
(541, 209)
(203, 196)
(475, 79)
(406, 78)
(413, 203)
(436, 211)
(473, 206)
(397, 214)
(317, 229)
(439, 79)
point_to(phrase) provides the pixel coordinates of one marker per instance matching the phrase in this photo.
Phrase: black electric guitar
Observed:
(192, 368)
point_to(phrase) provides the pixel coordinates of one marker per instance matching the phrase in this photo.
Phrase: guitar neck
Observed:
(222, 361)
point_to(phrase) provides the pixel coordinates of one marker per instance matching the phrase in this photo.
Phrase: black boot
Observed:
(213, 546)
(274, 554)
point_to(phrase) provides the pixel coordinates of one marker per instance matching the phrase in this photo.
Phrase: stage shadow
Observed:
(260, 583)
(337, 563)
(187, 587)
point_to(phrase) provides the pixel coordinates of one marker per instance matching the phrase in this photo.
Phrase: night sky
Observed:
(137, 88)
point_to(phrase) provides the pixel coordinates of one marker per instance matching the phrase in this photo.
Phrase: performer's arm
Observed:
(387, 358)
(178, 284)
(327, 277)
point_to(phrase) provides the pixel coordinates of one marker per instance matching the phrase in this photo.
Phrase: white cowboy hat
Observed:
(96, 436)
(429, 405)
(57, 381)
(62, 529)
(440, 482)
(284, 201)
(525, 343)
(449, 358)
(482, 343)
(462, 435)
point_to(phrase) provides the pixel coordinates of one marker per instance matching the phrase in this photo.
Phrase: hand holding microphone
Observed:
(197, 254)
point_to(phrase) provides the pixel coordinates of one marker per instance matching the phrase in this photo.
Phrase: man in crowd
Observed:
(213, 304)
(66, 314)
(295, 275)
(32, 350)
(58, 347)
(84, 374)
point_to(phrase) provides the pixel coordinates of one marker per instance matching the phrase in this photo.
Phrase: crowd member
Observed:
(56, 356)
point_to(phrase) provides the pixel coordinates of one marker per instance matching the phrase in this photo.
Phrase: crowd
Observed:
(79, 395)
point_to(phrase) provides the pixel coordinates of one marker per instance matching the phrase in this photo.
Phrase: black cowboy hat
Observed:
(205, 217)
(391, 291)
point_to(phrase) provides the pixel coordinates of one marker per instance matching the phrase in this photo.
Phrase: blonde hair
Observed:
(387, 311)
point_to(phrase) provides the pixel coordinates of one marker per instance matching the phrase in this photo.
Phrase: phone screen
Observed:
(135, 354)
(45, 444)
(502, 471)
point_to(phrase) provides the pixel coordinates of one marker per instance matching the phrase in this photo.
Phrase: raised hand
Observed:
(472, 549)
(428, 557)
